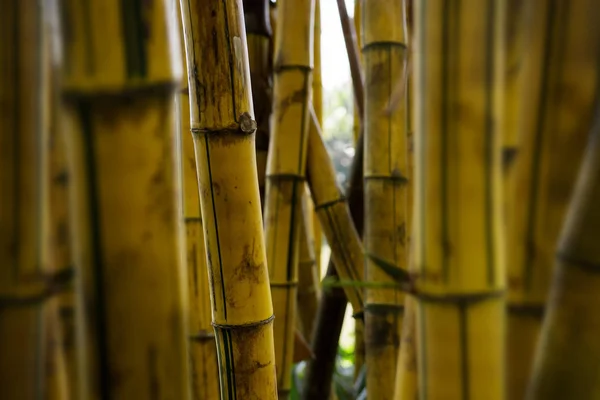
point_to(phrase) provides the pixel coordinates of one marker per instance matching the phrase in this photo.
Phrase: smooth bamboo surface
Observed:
(122, 69)
(458, 249)
(286, 163)
(558, 110)
(224, 129)
(385, 183)
(23, 286)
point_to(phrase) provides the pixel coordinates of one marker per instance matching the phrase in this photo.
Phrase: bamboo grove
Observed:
(167, 196)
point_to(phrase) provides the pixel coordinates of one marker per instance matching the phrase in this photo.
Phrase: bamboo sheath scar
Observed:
(558, 105)
(24, 284)
(204, 366)
(286, 162)
(458, 251)
(223, 129)
(120, 77)
(385, 184)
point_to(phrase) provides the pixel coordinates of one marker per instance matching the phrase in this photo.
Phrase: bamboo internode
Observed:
(120, 76)
(385, 185)
(557, 112)
(223, 127)
(292, 87)
(458, 241)
(24, 286)
(204, 366)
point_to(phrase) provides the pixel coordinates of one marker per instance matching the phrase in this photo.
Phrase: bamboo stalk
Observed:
(332, 306)
(120, 76)
(335, 217)
(259, 36)
(558, 105)
(353, 56)
(285, 171)
(317, 102)
(385, 184)
(223, 128)
(23, 284)
(566, 361)
(60, 351)
(308, 275)
(359, 329)
(406, 385)
(204, 365)
(458, 229)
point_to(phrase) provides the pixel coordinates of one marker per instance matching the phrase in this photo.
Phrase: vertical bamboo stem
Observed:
(204, 366)
(385, 182)
(60, 351)
(566, 361)
(223, 128)
(286, 170)
(120, 76)
(260, 35)
(317, 102)
(557, 111)
(458, 236)
(406, 369)
(23, 287)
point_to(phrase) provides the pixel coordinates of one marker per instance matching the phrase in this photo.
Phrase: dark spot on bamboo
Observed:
(248, 269)
(380, 332)
(248, 360)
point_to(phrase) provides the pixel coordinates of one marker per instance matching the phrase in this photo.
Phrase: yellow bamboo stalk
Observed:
(259, 37)
(223, 128)
(308, 274)
(120, 76)
(566, 361)
(59, 352)
(335, 218)
(558, 106)
(458, 251)
(317, 102)
(359, 329)
(385, 182)
(406, 368)
(23, 287)
(204, 366)
(285, 171)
